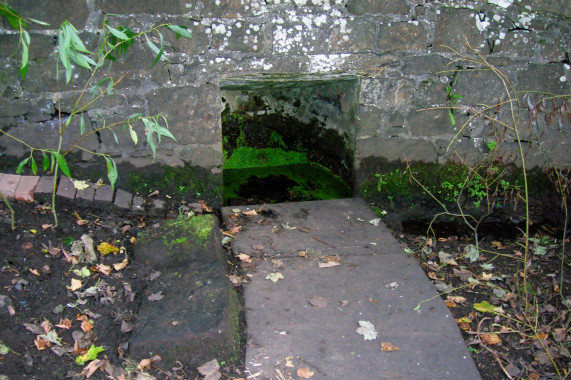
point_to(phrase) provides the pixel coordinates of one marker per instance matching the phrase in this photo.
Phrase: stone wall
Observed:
(399, 50)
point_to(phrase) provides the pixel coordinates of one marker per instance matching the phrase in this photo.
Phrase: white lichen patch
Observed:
(482, 22)
(501, 3)
(326, 63)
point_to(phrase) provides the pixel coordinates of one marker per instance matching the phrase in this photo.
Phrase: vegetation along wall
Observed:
(394, 79)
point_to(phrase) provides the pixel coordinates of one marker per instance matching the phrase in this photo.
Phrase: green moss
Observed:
(309, 181)
(243, 158)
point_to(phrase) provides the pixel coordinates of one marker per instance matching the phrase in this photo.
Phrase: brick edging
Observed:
(29, 188)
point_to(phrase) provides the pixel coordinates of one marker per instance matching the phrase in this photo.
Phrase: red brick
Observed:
(9, 184)
(26, 187)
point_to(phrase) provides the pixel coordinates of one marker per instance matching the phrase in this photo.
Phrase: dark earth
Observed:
(36, 304)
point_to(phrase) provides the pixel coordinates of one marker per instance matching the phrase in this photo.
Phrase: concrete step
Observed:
(375, 282)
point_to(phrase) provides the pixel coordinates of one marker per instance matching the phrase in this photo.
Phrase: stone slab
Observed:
(103, 196)
(123, 199)
(157, 208)
(197, 318)
(138, 204)
(84, 198)
(44, 189)
(376, 282)
(65, 189)
(26, 187)
(8, 185)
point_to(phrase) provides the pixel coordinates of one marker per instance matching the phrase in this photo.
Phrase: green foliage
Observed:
(453, 100)
(276, 141)
(74, 55)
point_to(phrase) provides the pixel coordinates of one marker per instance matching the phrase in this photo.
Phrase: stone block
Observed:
(54, 12)
(453, 27)
(65, 189)
(359, 7)
(397, 36)
(430, 123)
(396, 148)
(205, 157)
(231, 9)
(9, 185)
(193, 112)
(26, 187)
(352, 35)
(123, 200)
(41, 46)
(15, 107)
(84, 198)
(148, 6)
(138, 206)
(198, 44)
(549, 77)
(240, 36)
(103, 196)
(44, 189)
(197, 317)
(157, 209)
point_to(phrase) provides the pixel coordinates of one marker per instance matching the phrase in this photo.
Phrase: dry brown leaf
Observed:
(75, 284)
(235, 230)
(498, 245)
(442, 240)
(490, 338)
(540, 335)
(235, 279)
(35, 272)
(328, 264)
(47, 326)
(329, 258)
(277, 263)
(90, 369)
(86, 326)
(388, 347)
(245, 258)
(156, 297)
(122, 265)
(145, 363)
(250, 212)
(449, 303)
(126, 327)
(209, 368)
(463, 325)
(319, 302)
(305, 373)
(462, 274)
(41, 343)
(485, 276)
(258, 247)
(102, 268)
(64, 324)
(457, 299)
(81, 222)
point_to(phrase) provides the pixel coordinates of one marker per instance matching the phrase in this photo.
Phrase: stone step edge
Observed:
(30, 188)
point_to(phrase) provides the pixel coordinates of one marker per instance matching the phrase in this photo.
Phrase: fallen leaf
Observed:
(449, 303)
(41, 343)
(75, 285)
(490, 338)
(34, 272)
(80, 185)
(52, 337)
(277, 263)
(126, 327)
(64, 324)
(27, 245)
(446, 259)
(81, 222)
(387, 347)
(209, 368)
(106, 248)
(86, 326)
(258, 247)
(289, 362)
(305, 373)
(90, 355)
(275, 277)
(498, 245)
(330, 258)
(245, 258)
(122, 265)
(250, 212)
(456, 299)
(328, 264)
(102, 268)
(33, 328)
(462, 273)
(375, 222)
(484, 307)
(367, 329)
(154, 275)
(235, 230)
(89, 251)
(90, 369)
(46, 226)
(46, 325)
(156, 297)
(463, 323)
(235, 279)
(319, 302)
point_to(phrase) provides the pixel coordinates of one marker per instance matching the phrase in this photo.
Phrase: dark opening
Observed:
(288, 138)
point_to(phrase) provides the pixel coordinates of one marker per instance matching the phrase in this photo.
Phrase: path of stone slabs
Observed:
(331, 295)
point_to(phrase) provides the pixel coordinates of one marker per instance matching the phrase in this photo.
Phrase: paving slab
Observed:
(44, 189)
(309, 318)
(65, 189)
(103, 196)
(189, 312)
(9, 184)
(26, 187)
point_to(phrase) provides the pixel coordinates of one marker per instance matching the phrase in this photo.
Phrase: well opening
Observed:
(288, 138)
